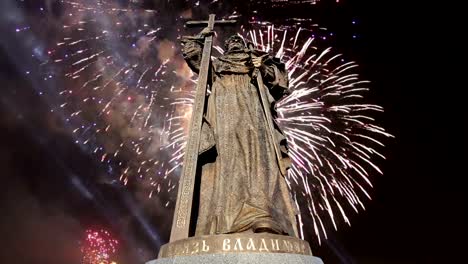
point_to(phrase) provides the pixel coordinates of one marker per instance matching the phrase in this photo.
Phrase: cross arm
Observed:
(200, 23)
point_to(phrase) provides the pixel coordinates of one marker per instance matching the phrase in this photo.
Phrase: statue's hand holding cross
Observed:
(207, 32)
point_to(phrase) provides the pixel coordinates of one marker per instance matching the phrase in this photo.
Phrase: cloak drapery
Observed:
(242, 186)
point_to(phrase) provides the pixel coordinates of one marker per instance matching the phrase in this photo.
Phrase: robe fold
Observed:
(242, 186)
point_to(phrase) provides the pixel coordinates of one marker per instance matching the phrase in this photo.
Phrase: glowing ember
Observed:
(98, 247)
(127, 95)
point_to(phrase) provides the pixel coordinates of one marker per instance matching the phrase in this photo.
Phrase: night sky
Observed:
(51, 190)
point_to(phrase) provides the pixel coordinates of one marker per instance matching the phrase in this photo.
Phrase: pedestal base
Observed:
(248, 248)
(241, 258)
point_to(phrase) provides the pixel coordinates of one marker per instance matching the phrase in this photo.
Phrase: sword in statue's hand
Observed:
(257, 61)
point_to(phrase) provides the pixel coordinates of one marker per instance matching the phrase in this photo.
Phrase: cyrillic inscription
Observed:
(263, 243)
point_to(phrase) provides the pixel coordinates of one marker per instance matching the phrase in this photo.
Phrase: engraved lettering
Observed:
(274, 245)
(303, 248)
(235, 243)
(238, 245)
(188, 172)
(170, 249)
(195, 247)
(180, 222)
(263, 246)
(205, 247)
(251, 244)
(226, 244)
(287, 245)
(184, 199)
(177, 249)
(297, 247)
(186, 248)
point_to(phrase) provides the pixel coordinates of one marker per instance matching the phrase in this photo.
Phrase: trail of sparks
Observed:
(98, 247)
(329, 132)
(129, 100)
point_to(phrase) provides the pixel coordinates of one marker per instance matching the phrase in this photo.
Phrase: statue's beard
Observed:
(236, 48)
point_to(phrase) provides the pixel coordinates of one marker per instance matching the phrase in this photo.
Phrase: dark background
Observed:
(418, 206)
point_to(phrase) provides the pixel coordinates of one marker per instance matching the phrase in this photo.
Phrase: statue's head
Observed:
(234, 43)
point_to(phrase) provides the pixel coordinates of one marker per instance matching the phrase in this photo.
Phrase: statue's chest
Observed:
(239, 64)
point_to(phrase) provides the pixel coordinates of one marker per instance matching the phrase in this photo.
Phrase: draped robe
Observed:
(242, 186)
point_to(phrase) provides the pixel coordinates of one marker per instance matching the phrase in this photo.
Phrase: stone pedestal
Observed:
(241, 258)
(259, 248)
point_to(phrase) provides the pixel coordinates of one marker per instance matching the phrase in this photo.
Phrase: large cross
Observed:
(183, 209)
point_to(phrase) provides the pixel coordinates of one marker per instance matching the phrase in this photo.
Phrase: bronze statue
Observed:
(242, 157)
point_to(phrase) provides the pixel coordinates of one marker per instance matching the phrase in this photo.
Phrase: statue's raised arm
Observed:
(192, 49)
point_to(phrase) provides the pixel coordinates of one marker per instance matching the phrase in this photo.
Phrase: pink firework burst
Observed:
(98, 247)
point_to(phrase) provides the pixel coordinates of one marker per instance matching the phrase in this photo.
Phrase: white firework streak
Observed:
(128, 111)
(115, 90)
(329, 132)
(328, 129)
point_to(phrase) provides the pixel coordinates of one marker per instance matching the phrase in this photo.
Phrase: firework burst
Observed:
(127, 97)
(329, 128)
(98, 247)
